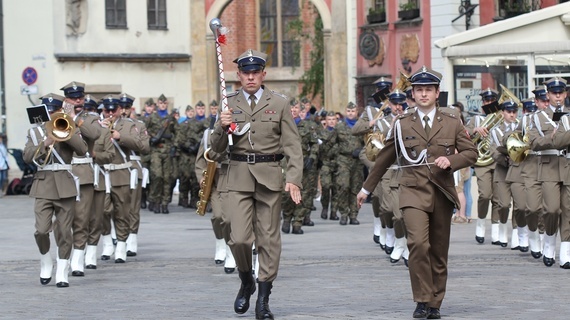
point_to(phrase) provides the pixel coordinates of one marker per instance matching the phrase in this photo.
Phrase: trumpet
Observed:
(59, 128)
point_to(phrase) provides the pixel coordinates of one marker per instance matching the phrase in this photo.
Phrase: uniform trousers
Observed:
(161, 177)
(502, 192)
(386, 205)
(83, 213)
(428, 243)
(518, 192)
(135, 209)
(533, 194)
(255, 216)
(96, 219)
(485, 188)
(217, 219)
(565, 215)
(328, 187)
(551, 196)
(121, 201)
(64, 210)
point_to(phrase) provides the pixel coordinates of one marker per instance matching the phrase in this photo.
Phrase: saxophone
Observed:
(206, 185)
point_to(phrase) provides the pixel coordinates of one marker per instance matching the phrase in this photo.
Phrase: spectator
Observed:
(4, 167)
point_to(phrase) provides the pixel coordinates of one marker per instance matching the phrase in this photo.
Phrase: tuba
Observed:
(517, 146)
(374, 141)
(59, 128)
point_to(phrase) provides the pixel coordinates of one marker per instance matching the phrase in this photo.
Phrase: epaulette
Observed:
(449, 114)
(279, 94)
(92, 113)
(140, 121)
(128, 119)
(232, 94)
(403, 115)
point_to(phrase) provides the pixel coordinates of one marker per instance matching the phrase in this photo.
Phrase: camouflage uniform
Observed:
(328, 151)
(162, 151)
(187, 142)
(309, 142)
(349, 175)
(145, 162)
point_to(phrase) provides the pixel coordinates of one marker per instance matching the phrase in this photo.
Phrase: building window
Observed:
(157, 14)
(379, 5)
(116, 14)
(274, 17)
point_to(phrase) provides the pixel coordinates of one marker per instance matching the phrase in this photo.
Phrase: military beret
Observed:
(214, 103)
(162, 98)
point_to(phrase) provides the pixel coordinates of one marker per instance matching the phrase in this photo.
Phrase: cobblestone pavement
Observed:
(330, 272)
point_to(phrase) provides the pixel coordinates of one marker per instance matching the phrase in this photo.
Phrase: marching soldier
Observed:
(162, 131)
(349, 173)
(87, 120)
(551, 164)
(427, 194)
(149, 108)
(484, 172)
(103, 153)
(328, 151)
(126, 103)
(533, 187)
(123, 179)
(56, 189)
(253, 203)
(187, 141)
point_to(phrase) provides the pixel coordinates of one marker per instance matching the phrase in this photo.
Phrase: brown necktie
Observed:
(252, 103)
(427, 127)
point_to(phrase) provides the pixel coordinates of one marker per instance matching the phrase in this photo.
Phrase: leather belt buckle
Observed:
(250, 157)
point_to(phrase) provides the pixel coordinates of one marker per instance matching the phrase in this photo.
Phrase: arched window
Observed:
(274, 17)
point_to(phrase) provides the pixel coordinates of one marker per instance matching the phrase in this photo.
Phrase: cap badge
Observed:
(50, 99)
(249, 53)
(74, 86)
(424, 69)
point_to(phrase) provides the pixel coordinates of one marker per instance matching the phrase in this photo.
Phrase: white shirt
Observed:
(431, 115)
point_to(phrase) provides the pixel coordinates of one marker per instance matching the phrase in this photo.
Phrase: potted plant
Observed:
(408, 11)
(516, 8)
(376, 15)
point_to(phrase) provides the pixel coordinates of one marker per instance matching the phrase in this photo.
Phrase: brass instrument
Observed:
(491, 121)
(518, 146)
(374, 140)
(206, 185)
(60, 128)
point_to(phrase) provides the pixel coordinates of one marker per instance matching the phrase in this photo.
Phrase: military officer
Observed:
(253, 202)
(429, 139)
(55, 189)
(484, 172)
(123, 179)
(87, 120)
(551, 164)
(162, 131)
(125, 104)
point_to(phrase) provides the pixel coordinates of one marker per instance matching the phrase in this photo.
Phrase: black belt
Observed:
(254, 158)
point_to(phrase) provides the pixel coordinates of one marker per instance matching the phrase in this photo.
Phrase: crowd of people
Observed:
(408, 153)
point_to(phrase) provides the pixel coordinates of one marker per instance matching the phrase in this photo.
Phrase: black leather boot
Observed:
(286, 226)
(325, 213)
(156, 207)
(164, 208)
(262, 305)
(183, 202)
(307, 221)
(150, 206)
(143, 198)
(245, 291)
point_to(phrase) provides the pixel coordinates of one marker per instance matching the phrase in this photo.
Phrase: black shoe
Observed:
(394, 260)
(383, 247)
(376, 239)
(480, 239)
(536, 255)
(157, 208)
(421, 310)
(105, 257)
(45, 281)
(229, 270)
(504, 244)
(517, 248)
(355, 222)
(307, 222)
(334, 217)
(343, 221)
(91, 266)
(325, 213)
(131, 253)
(548, 261)
(433, 313)
(262, 304)
(62, 284)
(496, 243)
(389, 250)
(219, 261)
(523, 249)
(150, 206)
(114, 242)
(286, 226)
(297, 230)
(313, 208)
(78, 273)
(565, 266)
(165, 209)
(143, 205)
(119, 260)
(241, 304)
